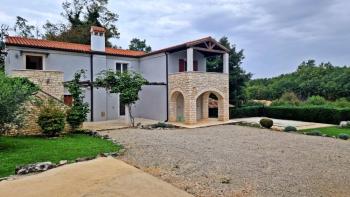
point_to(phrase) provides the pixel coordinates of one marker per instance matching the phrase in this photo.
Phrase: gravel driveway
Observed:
(240, 161)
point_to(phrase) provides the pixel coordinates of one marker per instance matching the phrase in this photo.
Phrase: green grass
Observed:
(329, 131)
(16, 151)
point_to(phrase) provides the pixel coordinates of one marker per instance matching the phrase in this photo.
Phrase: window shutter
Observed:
(195, 65)
(181, 65)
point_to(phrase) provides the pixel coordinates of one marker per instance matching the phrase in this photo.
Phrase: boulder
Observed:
(36, 167)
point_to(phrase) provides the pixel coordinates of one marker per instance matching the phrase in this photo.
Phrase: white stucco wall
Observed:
(174, 60)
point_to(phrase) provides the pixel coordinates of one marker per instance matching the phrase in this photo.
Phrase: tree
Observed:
(80, 16)
(15, 91)
(23, 29)
(237, 76)
(3, 32)
(139, 45)
(127, 84)
(310, 79)
(77, 114)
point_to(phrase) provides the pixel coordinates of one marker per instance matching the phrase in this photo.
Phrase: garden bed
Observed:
(17, 151)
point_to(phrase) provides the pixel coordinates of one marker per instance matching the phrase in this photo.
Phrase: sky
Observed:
(276, 35)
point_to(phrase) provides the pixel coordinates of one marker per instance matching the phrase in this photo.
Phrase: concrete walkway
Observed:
(99, 177)
(281, 124)
(115, 124)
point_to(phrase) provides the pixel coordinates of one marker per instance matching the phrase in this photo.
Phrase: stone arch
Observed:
(202, 104)
(177, 106)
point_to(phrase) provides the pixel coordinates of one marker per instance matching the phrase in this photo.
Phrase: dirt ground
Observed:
(240, 161)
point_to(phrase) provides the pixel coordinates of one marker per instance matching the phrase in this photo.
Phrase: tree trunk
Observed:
(128, 116)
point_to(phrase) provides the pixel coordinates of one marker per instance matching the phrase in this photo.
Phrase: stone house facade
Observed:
(179, 87)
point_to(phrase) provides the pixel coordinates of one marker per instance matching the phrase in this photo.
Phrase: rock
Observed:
(37, 167)
(344, 124)
(225, 180)
(114, 154)
(63, 162)
(84, 159)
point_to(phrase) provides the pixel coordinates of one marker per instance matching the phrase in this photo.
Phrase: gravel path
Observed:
(240, 161)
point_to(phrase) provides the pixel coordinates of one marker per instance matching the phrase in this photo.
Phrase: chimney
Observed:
(98, 39)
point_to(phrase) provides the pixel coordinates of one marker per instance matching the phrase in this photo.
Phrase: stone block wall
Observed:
(51, 84)
(194, 85)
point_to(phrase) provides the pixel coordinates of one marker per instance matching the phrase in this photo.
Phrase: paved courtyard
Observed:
(231, 160)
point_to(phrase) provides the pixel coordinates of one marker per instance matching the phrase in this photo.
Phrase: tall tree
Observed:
(80, 16)
(3, 32)
(139, 45)
(237, 76)
(23, 29)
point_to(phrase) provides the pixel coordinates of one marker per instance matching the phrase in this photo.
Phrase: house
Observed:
(179, 86)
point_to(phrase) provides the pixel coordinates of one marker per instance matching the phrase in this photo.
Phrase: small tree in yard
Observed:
(127, 84)
(14, 92)
(77, 114)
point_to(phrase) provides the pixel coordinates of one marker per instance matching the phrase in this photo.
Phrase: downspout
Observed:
(92, 87)
(167, 87)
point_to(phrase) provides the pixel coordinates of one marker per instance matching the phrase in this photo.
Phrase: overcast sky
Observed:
(276, 35)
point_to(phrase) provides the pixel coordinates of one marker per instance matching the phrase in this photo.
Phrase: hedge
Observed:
(309, 114)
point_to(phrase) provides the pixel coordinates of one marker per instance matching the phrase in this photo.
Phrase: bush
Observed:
(343, 136)
(266, 122)
(316, 100)
(76, 115)
(342, 103)
(288, 98)
(314, 133)
(290, 128)
(15, 92)
(51, 119)
(251, 111)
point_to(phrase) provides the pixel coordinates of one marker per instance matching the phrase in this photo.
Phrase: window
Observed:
(34, 62)
(195, 65)
(182, 65)
(68, 100)
(121, 67)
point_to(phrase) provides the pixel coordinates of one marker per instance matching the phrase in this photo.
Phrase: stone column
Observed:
(223, 109)
(190, 59)
(226, 62)
(190, 111)
(205, 106)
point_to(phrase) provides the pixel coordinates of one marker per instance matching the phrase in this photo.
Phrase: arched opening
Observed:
(177, 107)
(209, 106)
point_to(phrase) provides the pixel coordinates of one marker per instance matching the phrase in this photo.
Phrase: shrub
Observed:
(290, 128)
(314, 133)
(266, 122)
(51, 119)
(288, 98)
(316, 100)
(342, 103)
(343, 136)
(251, 111)
(15, 92)
(78, 112)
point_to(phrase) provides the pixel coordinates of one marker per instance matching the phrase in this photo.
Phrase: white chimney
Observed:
(98, 39)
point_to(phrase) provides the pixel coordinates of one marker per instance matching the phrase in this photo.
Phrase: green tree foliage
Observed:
(139, 45)
(127, 84)
(80, 16)
(77, 114)
(51, 119)
(237, 76)
(14, 92)
(23, 29)
(326, 80)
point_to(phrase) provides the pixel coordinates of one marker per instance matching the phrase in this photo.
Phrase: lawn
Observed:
(16, 151)
(330, 131)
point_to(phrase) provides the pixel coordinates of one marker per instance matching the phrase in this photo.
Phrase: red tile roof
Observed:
(48, 44)
(97, 29)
